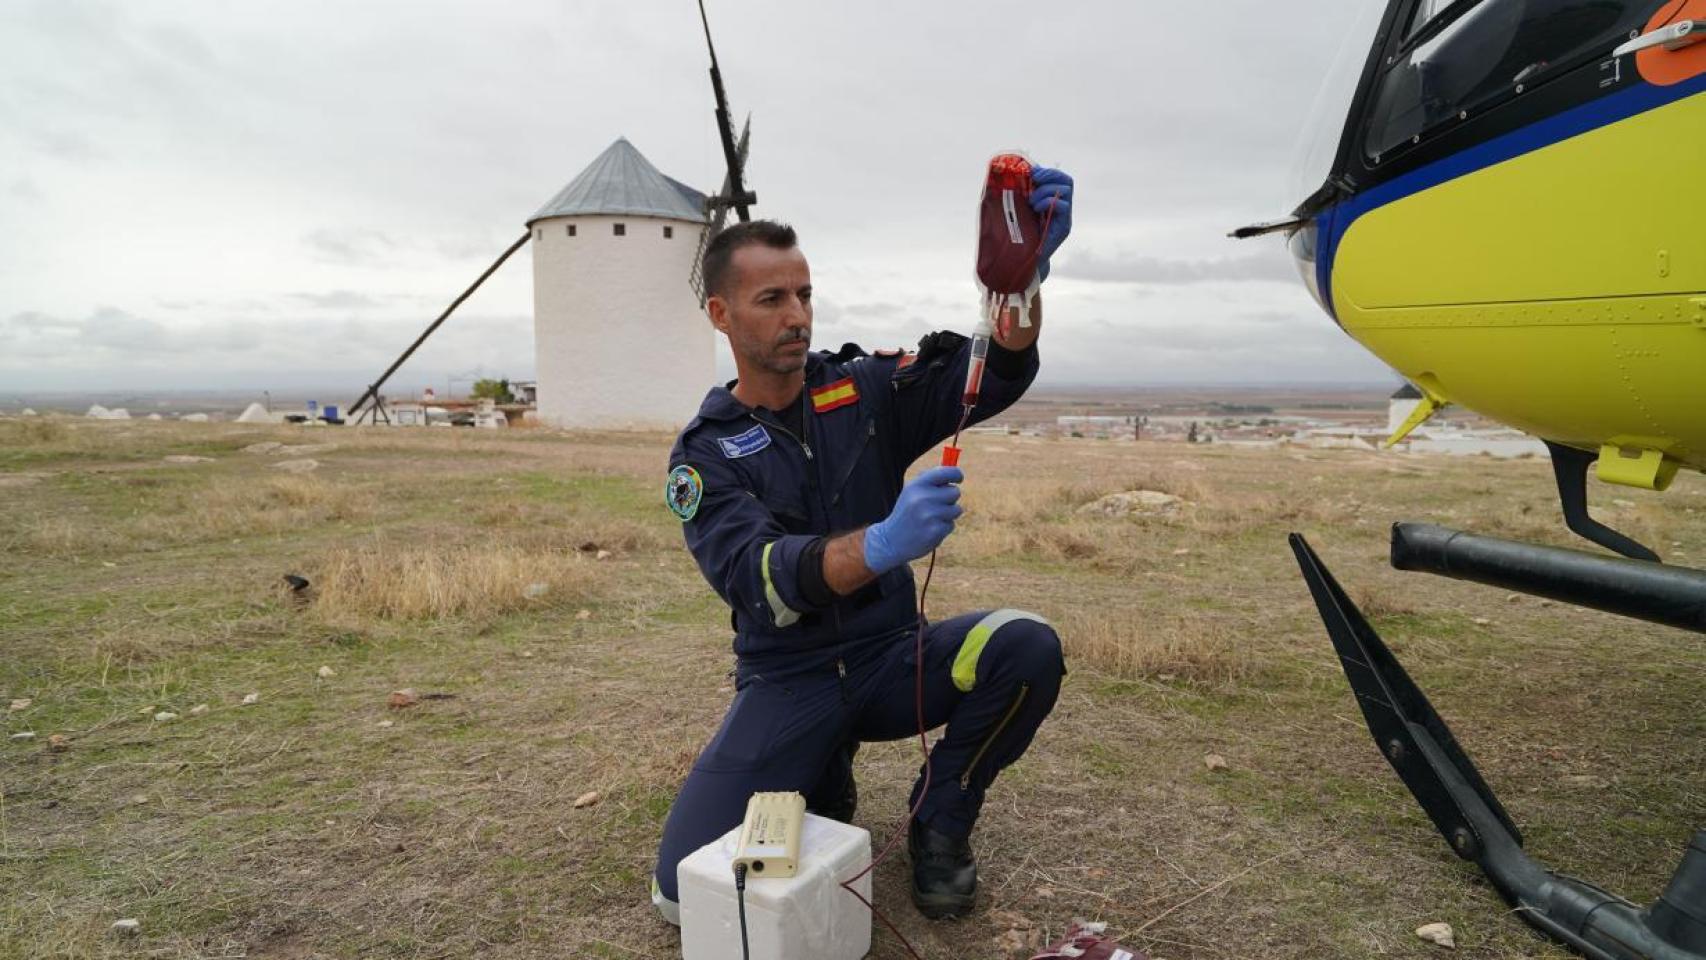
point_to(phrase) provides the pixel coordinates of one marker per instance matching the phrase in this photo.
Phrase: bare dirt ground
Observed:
(317, 821)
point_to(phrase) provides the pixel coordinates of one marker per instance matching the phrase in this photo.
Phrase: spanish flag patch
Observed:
(835, 395)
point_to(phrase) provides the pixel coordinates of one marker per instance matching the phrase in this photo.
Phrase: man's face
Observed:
(766, 309)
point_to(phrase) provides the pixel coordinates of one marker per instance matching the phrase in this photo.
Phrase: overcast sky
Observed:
(271, 195)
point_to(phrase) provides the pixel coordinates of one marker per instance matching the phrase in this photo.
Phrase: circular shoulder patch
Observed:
(682, 492)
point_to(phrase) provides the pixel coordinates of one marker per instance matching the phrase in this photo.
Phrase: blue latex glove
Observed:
(1051, 186)
(922, 518)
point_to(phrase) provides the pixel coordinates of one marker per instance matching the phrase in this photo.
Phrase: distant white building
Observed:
(1400, 406)
(620, 340)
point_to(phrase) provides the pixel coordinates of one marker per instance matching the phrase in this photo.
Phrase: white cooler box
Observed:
(804, 917)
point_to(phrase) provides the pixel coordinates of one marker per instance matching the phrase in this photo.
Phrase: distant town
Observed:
(1313, 416)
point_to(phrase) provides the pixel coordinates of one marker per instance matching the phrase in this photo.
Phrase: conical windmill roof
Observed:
(622, 181)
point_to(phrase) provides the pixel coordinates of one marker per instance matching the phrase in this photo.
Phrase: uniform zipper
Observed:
(811, 476)
(853, 464)
(965, 778)
(804, 446)
(814, 481)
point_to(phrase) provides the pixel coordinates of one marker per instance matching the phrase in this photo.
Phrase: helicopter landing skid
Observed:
(1420, 747)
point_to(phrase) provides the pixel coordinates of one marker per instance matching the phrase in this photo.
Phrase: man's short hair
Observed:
(719, 254)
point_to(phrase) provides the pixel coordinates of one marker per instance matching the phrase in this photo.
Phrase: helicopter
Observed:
(1490, 216)
(1490, 206)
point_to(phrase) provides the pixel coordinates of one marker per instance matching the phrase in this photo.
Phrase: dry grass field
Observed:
(533, 591)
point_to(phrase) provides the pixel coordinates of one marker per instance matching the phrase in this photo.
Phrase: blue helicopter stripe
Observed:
(1332, 223)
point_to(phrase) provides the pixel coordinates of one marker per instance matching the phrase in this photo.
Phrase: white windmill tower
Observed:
(619, 337)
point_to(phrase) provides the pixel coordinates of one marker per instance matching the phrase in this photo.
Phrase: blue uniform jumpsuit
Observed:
(818, 673)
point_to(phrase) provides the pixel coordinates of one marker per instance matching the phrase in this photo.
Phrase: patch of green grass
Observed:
(622, 495)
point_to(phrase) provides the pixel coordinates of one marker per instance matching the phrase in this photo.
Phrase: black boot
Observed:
(944, 873)
(842, 807)
(836, 796)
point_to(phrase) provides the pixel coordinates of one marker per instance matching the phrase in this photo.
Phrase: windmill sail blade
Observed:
(719, 213)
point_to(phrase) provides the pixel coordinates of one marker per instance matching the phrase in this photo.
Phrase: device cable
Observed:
(740, 898)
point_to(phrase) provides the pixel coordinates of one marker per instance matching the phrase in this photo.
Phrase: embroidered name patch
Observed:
(745, 444)
(835, 395)
(683, 491)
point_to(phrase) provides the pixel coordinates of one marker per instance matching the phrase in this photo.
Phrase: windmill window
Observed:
(571, 229)
(539, 234)
(621, 229)
(668, 232)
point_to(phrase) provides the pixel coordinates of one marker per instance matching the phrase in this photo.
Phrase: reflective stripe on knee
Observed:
(669, 908)
(779, 611)
(965, 662)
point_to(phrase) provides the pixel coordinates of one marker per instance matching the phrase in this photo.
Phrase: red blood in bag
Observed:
(1009, 234)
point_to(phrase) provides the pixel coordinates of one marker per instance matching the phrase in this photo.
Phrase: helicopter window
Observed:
(1478, 59)
(1425, 12)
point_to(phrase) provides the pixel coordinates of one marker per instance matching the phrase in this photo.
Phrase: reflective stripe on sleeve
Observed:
(780, 612)
(965, 662)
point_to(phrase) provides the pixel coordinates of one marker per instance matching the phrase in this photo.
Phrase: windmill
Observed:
(370, 406)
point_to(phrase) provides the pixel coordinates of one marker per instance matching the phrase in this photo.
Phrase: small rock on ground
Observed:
(1143, 503)
(128, 927)
(187, 458)
(1439, 933)
(297, 466)
(266, 446)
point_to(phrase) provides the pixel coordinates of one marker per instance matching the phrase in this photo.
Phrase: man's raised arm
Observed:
(922, 518)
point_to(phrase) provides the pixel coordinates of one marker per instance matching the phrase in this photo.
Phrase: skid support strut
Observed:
(1420, 747)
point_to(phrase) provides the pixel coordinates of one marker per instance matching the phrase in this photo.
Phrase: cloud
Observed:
(1127, 268)
(482, 247)
(137, 348)
(336, 300)
(1259, 347)
(874, 311)
(358, 246)
(65, 145)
